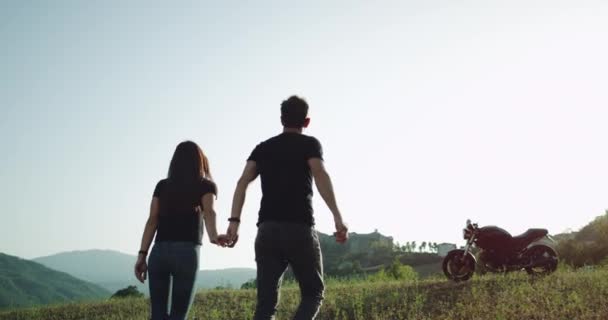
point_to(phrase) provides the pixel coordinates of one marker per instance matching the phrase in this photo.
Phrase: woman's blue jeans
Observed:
(172, 267)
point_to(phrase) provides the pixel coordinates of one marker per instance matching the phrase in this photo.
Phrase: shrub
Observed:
(251, 284)
(395, 271)
(128, 292)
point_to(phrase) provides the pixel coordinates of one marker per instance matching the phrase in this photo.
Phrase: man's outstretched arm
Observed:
(326, 190)
(238, 200)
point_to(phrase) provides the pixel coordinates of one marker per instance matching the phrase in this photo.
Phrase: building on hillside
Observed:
(363, 242)
(444, 248)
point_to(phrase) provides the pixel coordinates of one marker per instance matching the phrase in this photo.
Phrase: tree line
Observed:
(412, 246)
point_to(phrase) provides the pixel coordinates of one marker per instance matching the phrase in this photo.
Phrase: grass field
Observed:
(564, 295)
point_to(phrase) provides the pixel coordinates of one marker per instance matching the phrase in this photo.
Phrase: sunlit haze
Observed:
(429, 113)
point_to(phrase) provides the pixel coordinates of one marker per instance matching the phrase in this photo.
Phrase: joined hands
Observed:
(224, 240)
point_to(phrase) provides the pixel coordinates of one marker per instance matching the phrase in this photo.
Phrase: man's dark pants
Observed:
(277, 245)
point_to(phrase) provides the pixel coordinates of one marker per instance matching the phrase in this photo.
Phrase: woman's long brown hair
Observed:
(189, 163)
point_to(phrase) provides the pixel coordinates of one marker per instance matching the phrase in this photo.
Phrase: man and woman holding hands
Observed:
(183, 203)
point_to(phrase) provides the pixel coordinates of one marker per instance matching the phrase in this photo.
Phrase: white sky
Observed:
(429, 113)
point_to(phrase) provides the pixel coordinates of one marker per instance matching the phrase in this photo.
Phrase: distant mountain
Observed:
(26, 283)
(110, 269)
(113, 270)
(227, 278)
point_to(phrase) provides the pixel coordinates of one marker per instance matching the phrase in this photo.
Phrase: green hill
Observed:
(588, 246)
(26, 283)
(579, 295)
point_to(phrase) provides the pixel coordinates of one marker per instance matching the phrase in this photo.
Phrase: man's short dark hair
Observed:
(294, 111)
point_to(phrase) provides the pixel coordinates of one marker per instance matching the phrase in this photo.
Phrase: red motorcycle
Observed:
(498, 251)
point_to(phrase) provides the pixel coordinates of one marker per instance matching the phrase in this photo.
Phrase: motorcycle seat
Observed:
(530, 235)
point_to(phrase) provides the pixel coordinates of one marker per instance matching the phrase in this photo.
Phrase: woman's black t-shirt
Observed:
(179, 219)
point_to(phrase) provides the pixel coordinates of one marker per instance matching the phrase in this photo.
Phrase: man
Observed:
(286, 235)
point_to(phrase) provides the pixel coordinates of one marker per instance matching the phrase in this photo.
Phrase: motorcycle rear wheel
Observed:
(541, 252)
(459, 267)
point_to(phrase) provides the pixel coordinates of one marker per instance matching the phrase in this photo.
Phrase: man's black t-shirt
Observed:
(282, 162)
(178, 218)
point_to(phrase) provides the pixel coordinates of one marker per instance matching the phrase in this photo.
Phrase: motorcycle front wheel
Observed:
(459, 267)
(542, 260)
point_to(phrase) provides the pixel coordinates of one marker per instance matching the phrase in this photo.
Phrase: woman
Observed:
(179, 205)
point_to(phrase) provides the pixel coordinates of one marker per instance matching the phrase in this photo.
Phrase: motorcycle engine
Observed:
(491, 260)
